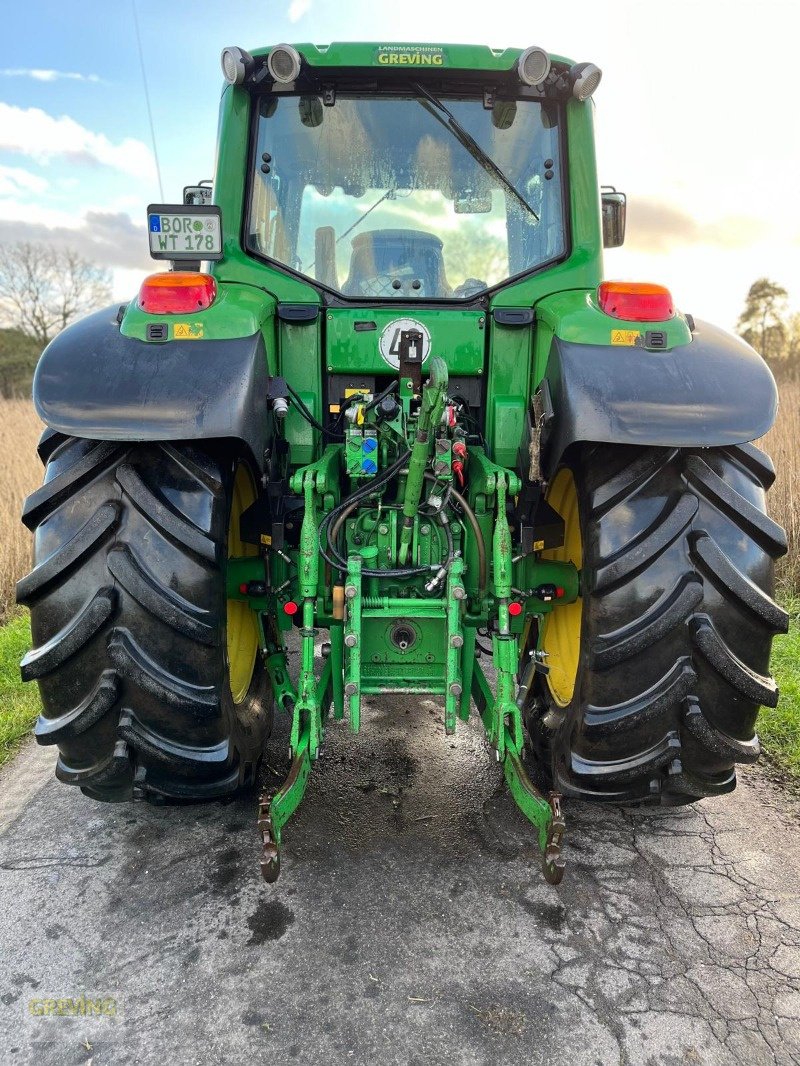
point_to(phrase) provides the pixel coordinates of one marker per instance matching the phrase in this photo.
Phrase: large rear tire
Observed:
(130, 621)
(658, 673)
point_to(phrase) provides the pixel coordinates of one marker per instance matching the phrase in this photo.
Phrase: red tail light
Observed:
(177, 292)
(635, 301)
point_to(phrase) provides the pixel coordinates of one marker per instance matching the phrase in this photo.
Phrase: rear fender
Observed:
(93, 381)
(713, 392)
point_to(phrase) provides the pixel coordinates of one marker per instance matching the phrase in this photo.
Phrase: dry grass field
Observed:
(20, 473)
(783, 444)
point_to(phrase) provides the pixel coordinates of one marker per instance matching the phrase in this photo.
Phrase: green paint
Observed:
(283, 691)
(288, 799)
(241, 572)
(295, 342)
(508, 391)
(454, 684)
(576, 317)
(458, 337)
(433, 392)
(352, 639)
(238, 311)
(535, 808)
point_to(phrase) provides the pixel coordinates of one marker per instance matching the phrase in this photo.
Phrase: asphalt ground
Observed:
(410, 924)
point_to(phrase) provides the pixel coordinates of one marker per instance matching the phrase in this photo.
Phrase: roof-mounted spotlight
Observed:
(584, 78)
(533, 66)
(236, 64)
(283, 63)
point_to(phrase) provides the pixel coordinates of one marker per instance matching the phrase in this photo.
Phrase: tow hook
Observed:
(553, 862)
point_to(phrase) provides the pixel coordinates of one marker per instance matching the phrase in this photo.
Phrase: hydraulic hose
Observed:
(478, 534)
(390, 388)
(476, 530)
(340, 512)
(306, 414)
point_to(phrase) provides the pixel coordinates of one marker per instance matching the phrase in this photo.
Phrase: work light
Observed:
(236, 64)
(585, 77)
(283, 63)
(533, 66)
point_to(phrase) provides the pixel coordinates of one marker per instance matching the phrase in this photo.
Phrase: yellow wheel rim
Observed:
(562, 627)
(242, 625)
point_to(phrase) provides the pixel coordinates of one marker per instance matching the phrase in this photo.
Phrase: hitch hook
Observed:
(553, 861)
(270, 853)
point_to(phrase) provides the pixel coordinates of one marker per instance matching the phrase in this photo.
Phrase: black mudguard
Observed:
(715, 391)
(92, 381)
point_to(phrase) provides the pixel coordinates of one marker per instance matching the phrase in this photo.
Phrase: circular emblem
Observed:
(389, 342)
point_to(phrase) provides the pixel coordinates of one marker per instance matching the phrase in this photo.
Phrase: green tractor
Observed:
(385, 394)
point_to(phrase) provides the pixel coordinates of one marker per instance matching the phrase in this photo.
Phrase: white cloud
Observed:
(15, 180)
(32, 132)
(658, 225)
(109, 239)
(297, 9)
(13, 209)
(39, 74)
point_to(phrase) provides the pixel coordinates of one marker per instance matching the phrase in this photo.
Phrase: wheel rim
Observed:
(242, 624)
(562, 627)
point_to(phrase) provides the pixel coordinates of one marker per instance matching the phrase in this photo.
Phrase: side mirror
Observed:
(310, 111)
(614, 206)
(198, 195)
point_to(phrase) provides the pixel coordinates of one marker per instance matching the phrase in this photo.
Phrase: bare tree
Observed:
(42, 289)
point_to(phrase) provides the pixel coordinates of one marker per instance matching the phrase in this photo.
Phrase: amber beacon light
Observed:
(635, 301)
(177, 292)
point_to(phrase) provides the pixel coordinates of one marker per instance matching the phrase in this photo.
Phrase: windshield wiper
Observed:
(386, 196)
(473, 147)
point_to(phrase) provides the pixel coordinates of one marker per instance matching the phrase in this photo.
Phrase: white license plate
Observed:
(182, 234)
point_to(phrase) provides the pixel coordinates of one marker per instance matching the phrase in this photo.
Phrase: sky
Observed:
(696, 119)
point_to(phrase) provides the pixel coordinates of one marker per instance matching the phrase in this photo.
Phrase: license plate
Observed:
(180, 232)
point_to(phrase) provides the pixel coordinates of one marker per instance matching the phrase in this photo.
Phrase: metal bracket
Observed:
(553, 862)
(276, 810)
(456, 594)
(501, 713)
(352, 641)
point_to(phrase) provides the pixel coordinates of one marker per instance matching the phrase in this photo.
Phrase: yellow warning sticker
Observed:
(187, 331)
(625, 336)
(266, 539)
(538, 545)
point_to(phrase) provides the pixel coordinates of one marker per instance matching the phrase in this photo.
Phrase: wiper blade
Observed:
(386, 196)
(474, 148)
